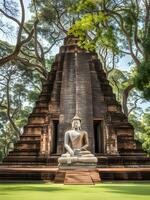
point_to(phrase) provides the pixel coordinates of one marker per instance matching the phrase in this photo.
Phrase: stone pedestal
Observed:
(78, 176)
(78, 165)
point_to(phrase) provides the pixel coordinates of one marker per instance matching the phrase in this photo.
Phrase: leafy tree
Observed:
(19, 91)
(9, 12)
(122, 27)
(35, 37)
(146, 132)
(142, 129)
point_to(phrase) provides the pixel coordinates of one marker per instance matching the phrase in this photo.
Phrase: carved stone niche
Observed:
(45, 140)
(112, 144)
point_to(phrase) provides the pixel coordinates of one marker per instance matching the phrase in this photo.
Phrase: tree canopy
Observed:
(121, 27)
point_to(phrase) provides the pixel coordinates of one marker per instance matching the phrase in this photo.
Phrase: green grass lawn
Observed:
(104, 191)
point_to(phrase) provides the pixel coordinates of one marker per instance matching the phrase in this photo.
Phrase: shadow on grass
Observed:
(127, 189)
(32, 189)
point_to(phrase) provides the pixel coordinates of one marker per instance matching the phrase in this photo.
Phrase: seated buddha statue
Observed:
(76, 143)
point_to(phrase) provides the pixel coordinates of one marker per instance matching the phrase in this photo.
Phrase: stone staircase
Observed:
(27, 149)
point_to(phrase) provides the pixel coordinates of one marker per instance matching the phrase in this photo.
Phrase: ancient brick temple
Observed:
(77, 84)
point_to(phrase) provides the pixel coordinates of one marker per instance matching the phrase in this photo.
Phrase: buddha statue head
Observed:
(76, 123)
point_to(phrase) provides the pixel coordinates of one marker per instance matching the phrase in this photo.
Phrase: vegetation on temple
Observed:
(115, 29)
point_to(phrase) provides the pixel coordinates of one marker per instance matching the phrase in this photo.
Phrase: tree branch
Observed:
(134, 107)
(8, 109)
(13, 56)
(125, 98)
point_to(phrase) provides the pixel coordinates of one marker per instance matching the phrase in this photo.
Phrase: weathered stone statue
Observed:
(76, 144)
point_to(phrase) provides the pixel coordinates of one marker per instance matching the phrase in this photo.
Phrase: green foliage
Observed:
(142, 129)
(119, 80)
(146, 132)
(23, 87)
(92, 34)
(85, 5)
(142, 75)
(119, 27)
(7, 139)
(146, 43)
(142, 78)
(5, 48)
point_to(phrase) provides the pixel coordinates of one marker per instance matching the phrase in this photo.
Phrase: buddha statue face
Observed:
(76, 124)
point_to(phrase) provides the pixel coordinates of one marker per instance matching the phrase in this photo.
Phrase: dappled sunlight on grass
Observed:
(104, 191)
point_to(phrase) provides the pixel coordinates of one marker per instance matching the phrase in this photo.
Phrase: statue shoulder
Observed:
(85, 133)
(68, 132)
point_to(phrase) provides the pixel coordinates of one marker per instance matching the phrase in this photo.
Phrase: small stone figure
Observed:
(76, 144)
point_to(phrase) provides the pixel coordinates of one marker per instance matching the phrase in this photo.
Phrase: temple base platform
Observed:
(72, 176)
(109, 167)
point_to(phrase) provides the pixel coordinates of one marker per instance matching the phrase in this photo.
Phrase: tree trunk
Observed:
(125, 98)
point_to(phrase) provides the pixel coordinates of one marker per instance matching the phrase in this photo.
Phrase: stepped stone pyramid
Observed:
(77, 83)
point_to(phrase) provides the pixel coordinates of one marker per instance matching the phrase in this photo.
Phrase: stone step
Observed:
(95, 176)
(33, 150)
(35, 145)
(36, 119)
(112, 107)
(20, 153)
(126, 160)
(125, 138)
(31, 141)
(26, 137)
(28, 163)
(37, 141)
(135, 152)
(44, 96)
(78, 178)
(37, 115)
(115, 117)
(42, 103)
(40, 110)
(33, 129)
(59, 177)
(24, 159)
(27, 157)
(123, 125)
(47, 87)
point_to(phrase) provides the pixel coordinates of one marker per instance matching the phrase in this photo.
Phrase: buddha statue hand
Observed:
(70, 151)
